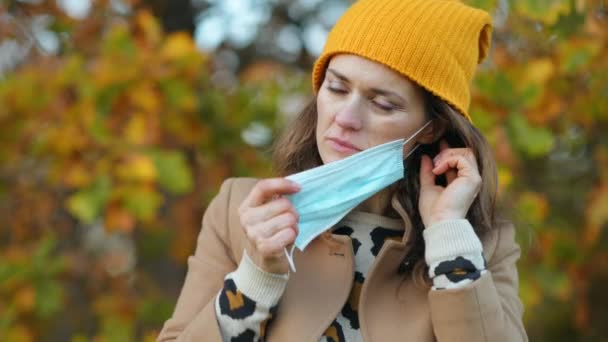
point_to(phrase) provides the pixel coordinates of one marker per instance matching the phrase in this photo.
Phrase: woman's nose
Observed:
(349, 116)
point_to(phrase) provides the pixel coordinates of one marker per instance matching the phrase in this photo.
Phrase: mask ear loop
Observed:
(289, 256)
(411, 151)
(412, 137)
(416, 133)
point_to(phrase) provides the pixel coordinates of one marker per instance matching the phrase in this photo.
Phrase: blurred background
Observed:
(119, 119)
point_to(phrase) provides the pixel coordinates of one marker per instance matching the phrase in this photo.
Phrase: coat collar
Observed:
(407, 222)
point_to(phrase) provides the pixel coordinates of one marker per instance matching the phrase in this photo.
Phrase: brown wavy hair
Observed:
(296, 150)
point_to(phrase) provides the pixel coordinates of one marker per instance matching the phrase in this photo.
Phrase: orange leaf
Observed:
(25, 299)
(118, 219)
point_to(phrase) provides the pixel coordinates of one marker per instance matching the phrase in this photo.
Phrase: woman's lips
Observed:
(342, 146)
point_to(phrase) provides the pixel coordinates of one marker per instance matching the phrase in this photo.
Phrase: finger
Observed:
(274, 245)
(267, 211)
(460, 163)
(427, 178)
(271, 227)
(460, 151)
(265, 189)
(450, 175)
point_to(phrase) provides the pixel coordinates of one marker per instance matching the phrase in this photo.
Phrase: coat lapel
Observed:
(316, 292)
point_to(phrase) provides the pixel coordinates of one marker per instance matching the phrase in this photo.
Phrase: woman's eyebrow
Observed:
(374, 90)
(338, 75)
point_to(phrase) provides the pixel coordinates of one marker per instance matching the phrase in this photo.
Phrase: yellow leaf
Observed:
(61, 144)
(530, 294)
(107, 73)
(148, 25)
(532, 207)
(145, 97)
(135, 130)
(142, 129)
(178, 45)
(76, 175)
(138, 168)
(505, 178)
(539, 71)
(19, 333)
(150, 336)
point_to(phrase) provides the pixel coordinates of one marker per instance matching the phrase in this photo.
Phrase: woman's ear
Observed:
(431, 133)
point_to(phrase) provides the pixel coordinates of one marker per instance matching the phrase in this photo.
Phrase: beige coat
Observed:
(391, 308)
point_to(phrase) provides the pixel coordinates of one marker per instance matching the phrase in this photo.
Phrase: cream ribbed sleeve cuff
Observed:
(260, 286)
(448, 239)
(453, 253)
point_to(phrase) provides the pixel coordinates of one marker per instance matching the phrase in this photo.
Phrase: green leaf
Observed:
(546, 11)
(142, 202)
(115, 329)
(483, 119)
(8, 317)
(556, 283)
(487, 5)
(87, 204)
(499, 87)
(154, 244)
(48, 298)
(119, 42)
(44, 261)
(576, 59)
(532, 141)
(154, 312)
(531, 95)
(178, 93)
(174, 173)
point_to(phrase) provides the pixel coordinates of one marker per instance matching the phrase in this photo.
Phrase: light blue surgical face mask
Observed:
(331, 191)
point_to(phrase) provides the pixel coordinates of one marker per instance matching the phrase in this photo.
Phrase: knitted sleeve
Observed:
(453, 254)
(247, 302)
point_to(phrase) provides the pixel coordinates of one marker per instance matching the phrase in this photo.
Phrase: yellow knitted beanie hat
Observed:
(435, 43)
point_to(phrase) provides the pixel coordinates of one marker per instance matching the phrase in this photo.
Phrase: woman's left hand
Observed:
(453, 201)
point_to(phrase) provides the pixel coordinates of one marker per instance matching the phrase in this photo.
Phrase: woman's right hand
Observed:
(270, 222)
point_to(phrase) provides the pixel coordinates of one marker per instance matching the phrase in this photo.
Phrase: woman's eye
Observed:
(384, 106)
(336, 90)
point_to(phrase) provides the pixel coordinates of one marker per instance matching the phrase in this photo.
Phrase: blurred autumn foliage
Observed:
(111, 148)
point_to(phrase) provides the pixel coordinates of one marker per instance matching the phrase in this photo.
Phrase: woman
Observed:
(423, 259)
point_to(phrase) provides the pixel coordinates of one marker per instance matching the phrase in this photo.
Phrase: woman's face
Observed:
(361, 104)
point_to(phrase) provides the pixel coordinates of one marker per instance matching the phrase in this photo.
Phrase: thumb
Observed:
(427, 177)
